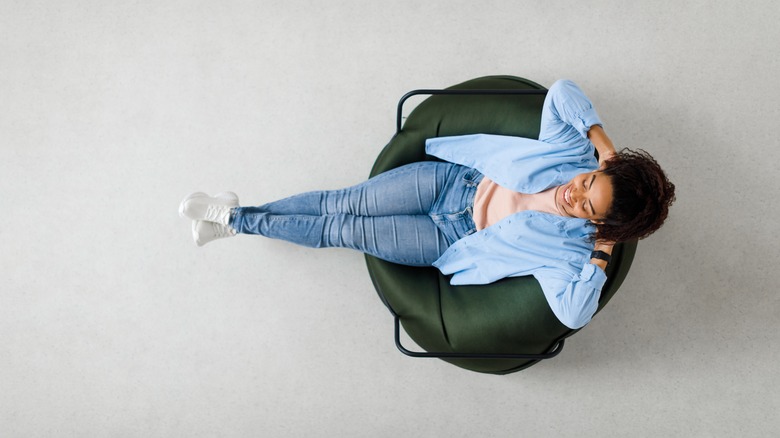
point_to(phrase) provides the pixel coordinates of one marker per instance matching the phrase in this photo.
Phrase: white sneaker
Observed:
(204, 232)
(200, 207)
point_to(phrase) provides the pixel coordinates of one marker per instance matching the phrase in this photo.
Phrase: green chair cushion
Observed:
(510, 315)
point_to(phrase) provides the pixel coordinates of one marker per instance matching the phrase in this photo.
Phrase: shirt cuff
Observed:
(595, 276)
(585, 120)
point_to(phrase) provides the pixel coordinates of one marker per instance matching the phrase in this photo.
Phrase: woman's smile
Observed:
(567, 195)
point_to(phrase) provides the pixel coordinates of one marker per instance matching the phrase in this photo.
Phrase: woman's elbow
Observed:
(574, 322)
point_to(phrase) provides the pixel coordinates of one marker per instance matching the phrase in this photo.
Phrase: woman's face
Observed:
(586, 196)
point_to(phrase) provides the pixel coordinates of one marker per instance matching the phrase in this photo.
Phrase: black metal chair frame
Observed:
(555, 349)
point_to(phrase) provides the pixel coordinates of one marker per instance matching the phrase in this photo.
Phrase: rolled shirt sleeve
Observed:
(567, 113)
(574, 301)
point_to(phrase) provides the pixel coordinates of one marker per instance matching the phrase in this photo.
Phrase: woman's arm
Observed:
(605, 247)
(601, 141)
(573, 300)
(567, 115)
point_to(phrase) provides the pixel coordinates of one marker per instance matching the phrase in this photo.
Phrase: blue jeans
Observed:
(409, 215)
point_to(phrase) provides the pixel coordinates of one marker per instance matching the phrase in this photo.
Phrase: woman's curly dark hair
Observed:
(641, 197)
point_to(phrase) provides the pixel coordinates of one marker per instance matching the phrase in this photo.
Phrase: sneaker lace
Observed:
(222, 230)
(218, 213)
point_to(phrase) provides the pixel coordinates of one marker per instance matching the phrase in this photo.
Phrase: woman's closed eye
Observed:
(589, 185)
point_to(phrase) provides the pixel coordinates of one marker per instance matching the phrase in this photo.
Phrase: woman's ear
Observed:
(598, 221)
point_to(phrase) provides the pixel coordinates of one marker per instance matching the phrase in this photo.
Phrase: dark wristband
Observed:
(601, 255)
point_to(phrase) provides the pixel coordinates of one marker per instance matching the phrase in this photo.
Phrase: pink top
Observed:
(493, 203)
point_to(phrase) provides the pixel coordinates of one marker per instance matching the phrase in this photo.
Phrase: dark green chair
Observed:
(475, 327)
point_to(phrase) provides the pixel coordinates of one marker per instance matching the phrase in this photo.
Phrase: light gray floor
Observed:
(112, 323)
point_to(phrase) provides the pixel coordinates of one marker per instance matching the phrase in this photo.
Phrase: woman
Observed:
(496, 207)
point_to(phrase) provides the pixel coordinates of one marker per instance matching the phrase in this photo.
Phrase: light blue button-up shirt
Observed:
(554, 249)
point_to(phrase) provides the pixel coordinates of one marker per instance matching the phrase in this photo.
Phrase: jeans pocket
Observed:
(454, 226)
(472, 177)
